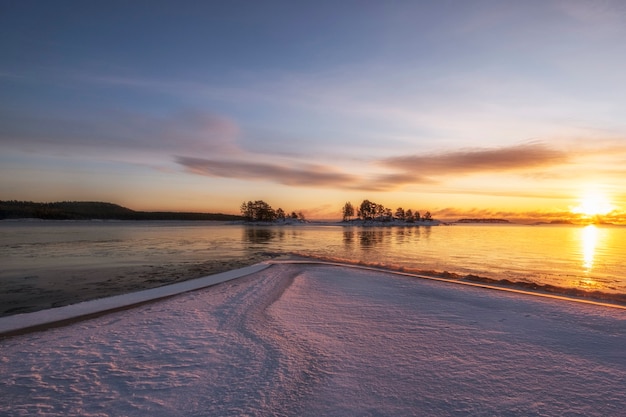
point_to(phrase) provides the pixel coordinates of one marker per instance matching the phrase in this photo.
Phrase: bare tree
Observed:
(347, 211)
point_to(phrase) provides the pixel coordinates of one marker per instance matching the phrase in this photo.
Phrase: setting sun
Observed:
(593, 203)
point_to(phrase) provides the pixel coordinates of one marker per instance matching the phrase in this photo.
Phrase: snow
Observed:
(310, 340)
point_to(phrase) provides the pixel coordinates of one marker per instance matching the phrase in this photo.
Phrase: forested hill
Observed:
(80, 210)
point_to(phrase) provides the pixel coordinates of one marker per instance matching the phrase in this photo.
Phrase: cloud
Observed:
(301, 175)
(513, 158)
(531, 161)
(402, 171)
(296, 174)
(188, 131)
(598, 14)
(387, 182)
(200, 131)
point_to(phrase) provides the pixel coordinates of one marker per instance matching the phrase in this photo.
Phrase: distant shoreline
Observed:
(78, 210)
(102, 211)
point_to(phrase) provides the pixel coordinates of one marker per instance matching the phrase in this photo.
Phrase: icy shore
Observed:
(296, 339)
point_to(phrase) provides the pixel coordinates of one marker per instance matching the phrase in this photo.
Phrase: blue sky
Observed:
(457, 107)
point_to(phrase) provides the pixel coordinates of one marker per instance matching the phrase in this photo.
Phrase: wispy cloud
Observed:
(186, 131)
(505, 159)
(289, 174)
(402, 171)
(506, 171)
(297, 174)
(600, 14)
(388, 182)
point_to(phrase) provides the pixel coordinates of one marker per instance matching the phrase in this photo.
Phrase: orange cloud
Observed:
(406, 170)
(295, 174)
(514, 158)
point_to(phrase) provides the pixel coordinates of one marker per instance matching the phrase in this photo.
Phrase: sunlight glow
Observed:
(593, 203)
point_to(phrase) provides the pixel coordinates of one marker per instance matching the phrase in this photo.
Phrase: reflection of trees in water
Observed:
(407, 234)
(368, 238)
(365, 238)
(258, 235)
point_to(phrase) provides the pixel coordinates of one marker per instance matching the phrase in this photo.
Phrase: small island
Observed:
(368, 213)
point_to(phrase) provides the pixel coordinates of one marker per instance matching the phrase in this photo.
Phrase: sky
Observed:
(462, 108)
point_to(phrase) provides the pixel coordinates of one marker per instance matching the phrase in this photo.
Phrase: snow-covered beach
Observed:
(304, 339)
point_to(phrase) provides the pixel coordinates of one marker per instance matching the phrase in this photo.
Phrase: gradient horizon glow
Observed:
(466, 109)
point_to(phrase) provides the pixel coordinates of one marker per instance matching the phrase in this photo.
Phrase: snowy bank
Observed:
(23, 323)
(301, 339)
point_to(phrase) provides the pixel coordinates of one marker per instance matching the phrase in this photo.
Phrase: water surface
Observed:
(589, 258)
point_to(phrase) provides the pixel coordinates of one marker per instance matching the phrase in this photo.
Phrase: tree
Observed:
(347, 211)
(427, 217)
(380, 211)
(409, 216)
(417, 216)
(258, 211)
(280, 214)
(367, 210)
(400, 214)
(247, 210)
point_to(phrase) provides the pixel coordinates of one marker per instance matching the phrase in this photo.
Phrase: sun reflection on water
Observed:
(589, 242)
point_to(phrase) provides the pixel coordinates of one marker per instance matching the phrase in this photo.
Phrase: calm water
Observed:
(590, 257)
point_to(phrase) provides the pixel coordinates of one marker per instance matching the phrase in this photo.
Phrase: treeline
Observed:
(260, 211)
(370, 211)
(81, 210)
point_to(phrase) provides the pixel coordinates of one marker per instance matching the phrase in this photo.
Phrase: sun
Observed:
(593, 203)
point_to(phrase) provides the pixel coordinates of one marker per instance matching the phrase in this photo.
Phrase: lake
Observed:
(53, 254)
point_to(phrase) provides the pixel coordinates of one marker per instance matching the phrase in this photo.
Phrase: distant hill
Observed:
(87, 210)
